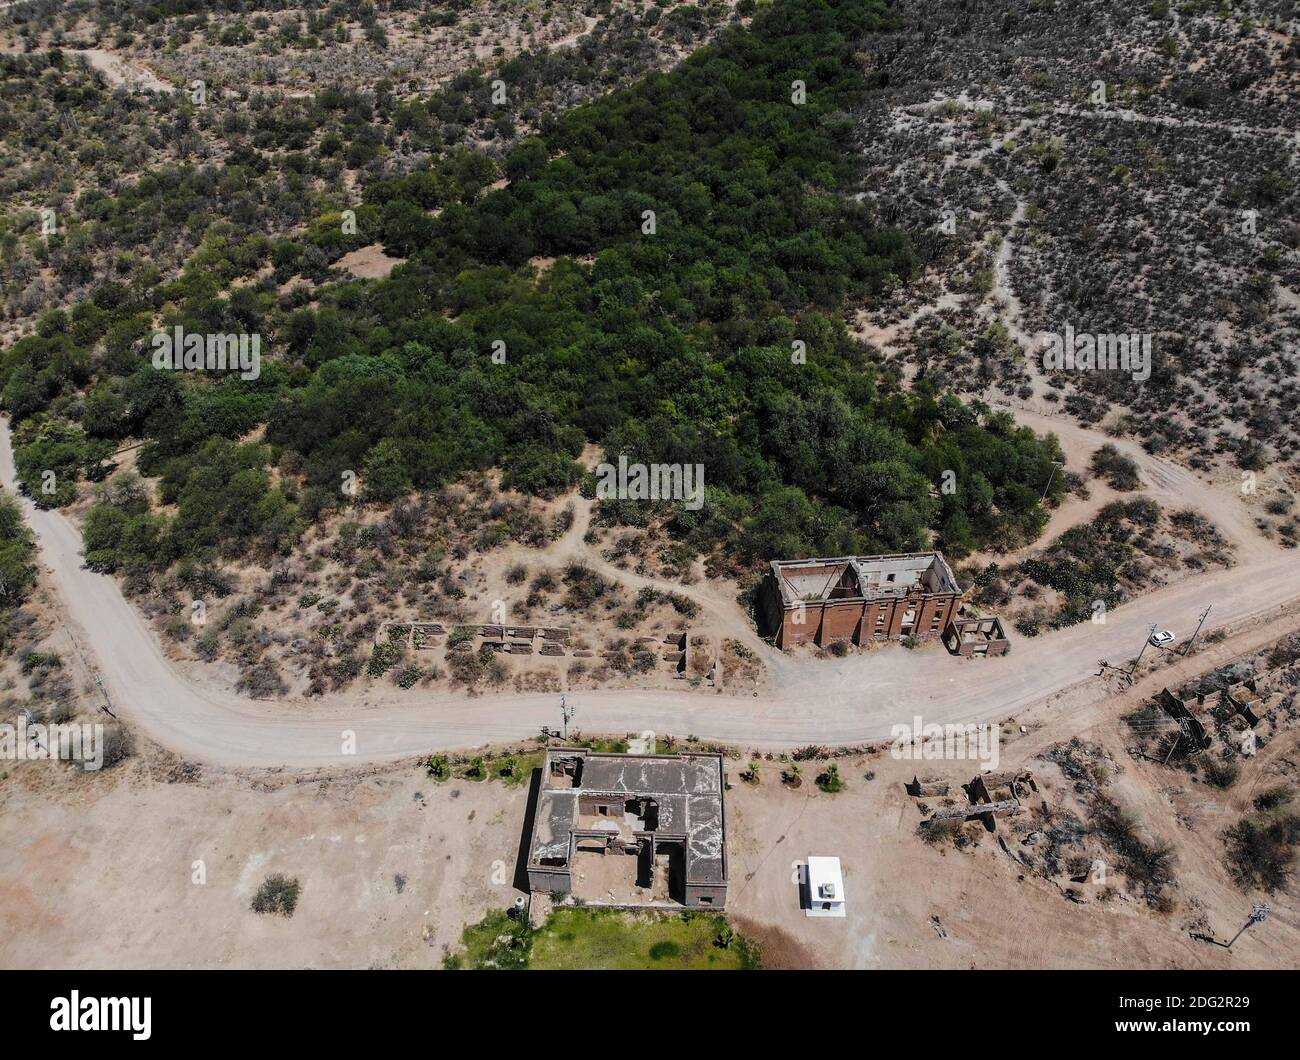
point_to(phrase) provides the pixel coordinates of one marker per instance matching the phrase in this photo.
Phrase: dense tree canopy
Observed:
(17, 572)
(700, 235)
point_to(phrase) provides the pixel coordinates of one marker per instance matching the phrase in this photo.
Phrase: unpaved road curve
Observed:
(846, 701)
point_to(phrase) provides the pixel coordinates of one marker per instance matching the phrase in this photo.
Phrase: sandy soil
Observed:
(120, 71)
(368, 263)
(911, 905)
(129, 839)
(99, 871)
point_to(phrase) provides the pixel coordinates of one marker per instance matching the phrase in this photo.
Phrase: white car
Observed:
(1161, 637)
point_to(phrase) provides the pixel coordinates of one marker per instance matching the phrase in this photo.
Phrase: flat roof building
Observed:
(664, 810)
(859, 598)
(825, 887)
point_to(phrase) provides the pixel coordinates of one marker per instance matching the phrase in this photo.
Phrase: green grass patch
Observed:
(605, 939)
(516, 769)
(496, 941)
(604, 745)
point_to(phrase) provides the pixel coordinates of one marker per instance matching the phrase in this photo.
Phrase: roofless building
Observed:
(859, 598)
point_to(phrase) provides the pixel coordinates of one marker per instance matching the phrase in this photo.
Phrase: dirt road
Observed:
(846, 701)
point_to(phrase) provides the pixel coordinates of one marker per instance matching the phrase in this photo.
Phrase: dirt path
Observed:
(118, 71)
(854, 699)
(724, 614)
(589, 23)
(1106, 113)
(1172, 486)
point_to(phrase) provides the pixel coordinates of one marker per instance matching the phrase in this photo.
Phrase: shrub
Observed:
(585, 586)
(118, 744)
(408, 676)
(830, 781)
(1116, 468)
(1261, 849)
(1222, 774)
(803, 754)
(460, 635)
(385, 656)
(1029, 627)
(262, 680)
(1272, 799)
(277, 895)
(938, 832)
(1149, 865)
(684, 605)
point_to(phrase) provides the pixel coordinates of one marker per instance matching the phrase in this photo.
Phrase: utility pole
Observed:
(566, 712)
(107, 705)
(1257, 916)
(1055, 465)
(1132, 669)
(1204, 615)
(1174, 747)
(31, 720)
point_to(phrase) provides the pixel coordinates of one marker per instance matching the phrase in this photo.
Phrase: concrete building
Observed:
(859, 598)
(825, 883)
(664, 811)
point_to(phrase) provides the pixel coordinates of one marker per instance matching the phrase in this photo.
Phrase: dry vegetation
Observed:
(1130, 548)
(341, 609)
(1107, 830)
(1168, 208)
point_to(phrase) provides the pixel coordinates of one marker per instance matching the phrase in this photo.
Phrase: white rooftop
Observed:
(825, 887)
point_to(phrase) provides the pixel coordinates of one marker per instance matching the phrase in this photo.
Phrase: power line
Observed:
(1258, 914)
(107, 705)
(1204, 615)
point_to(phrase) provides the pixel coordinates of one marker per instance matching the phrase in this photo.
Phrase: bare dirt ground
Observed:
(912, 905)
(118, 70)
(99, 870)
(128, 840)
(119, 851)
(988, 123)
(494, 32)
(368, 263)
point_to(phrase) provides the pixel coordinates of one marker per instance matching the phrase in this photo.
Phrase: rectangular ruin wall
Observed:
(859, 621)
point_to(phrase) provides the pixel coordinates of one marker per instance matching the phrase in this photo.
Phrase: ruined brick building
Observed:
(859, 598)
(661, 810)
